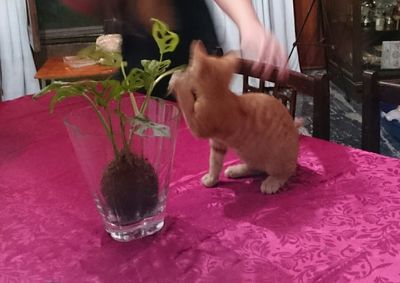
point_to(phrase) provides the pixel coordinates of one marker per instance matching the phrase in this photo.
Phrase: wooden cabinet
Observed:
(352, 48)
(54, 30)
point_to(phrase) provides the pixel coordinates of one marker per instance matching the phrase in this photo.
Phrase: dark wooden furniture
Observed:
(297, 84)
(379, 86)
(348, 42)
(54, 30)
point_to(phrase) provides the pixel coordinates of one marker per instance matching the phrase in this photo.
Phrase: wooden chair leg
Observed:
(370, 129)
(321, 108)
(292, 102)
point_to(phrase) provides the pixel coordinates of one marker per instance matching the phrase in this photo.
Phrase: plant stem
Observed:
(134, 104)
(122, 127)
(104, 123)
(156, 81)
(123, 71)
(131, 96)
(116, 152)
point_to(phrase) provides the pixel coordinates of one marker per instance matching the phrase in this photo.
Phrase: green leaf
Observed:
(112, 59)
(135, 80)
(100, 101)
(115, 90)
(166, 39)
(48, 89)
(63, 93)
(163, 66)
(150, 67)
(155, 68)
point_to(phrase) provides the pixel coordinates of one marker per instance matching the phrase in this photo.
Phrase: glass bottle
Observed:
(366, 13)
(389, 23)
(379, 23)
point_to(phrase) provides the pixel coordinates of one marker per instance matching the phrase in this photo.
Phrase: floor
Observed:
(346, 122)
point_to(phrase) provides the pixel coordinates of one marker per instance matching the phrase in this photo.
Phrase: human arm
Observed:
(257, 43)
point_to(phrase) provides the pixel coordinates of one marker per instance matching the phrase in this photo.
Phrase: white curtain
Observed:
(276, 15)
(227, 32)
(17, 65)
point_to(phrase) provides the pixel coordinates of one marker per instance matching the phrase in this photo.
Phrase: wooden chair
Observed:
(379, 86)
(297, 84)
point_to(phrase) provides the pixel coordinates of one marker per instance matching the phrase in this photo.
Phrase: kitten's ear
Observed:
(198, 55)
(197, 48)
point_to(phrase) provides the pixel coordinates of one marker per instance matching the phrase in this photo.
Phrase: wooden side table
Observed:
(55, 69)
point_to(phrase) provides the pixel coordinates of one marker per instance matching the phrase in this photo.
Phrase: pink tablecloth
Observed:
(336, 221)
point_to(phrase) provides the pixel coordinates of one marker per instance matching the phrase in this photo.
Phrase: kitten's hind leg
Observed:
(272, 184)
(217, 153)
(240, 170)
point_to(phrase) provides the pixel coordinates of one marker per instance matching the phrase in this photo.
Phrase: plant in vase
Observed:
(129, 194)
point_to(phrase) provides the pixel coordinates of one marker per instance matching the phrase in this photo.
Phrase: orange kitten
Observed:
(257, 126)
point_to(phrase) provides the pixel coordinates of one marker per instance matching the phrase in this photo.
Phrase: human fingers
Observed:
(271, 63)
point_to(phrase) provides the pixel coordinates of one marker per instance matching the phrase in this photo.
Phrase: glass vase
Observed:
(129, 180)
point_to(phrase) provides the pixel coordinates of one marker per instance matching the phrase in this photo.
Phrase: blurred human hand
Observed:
(262, 46)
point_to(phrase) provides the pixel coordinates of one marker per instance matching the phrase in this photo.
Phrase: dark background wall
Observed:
(53, 15)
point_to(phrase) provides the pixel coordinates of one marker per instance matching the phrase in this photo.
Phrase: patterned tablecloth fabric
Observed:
(337, 220)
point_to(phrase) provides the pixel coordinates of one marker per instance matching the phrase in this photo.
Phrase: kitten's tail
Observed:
(298, 122)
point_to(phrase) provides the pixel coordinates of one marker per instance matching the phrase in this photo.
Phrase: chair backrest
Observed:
(379, 86)
(296, 84)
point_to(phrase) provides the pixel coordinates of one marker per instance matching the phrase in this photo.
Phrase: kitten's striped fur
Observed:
(257, 126)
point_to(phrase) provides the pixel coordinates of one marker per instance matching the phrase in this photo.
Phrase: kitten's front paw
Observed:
(239, 171)
(209, 181)
(271, 185)
(232, 172)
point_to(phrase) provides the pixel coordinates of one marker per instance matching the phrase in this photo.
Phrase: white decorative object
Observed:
(392, 115)
(78, 62)
(390, 55)
(109, 42)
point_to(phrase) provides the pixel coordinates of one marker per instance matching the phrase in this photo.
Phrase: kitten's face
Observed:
(205, 75)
